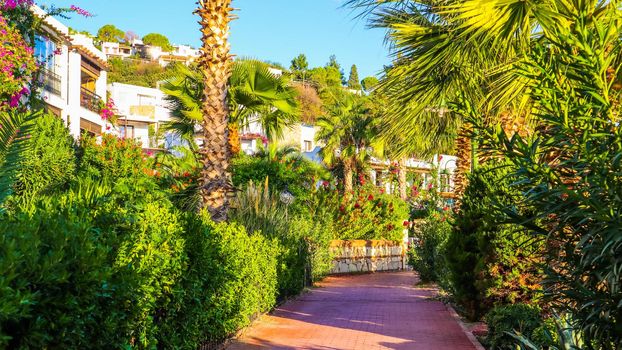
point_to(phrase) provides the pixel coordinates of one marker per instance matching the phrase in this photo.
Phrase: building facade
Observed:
(73, 77)
(141, 113)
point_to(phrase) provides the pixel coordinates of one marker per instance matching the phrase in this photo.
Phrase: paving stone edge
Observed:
(471, 336)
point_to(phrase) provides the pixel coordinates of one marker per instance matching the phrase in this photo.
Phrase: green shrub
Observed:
(505, 320)
(229, 279)
(54, 284)
(491, 263)
(110, 159)
(317, 234)
(286, 169)
(260, 211)
(49, 162)
(426, 255)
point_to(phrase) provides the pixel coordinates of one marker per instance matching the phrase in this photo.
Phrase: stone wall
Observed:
(367, 256)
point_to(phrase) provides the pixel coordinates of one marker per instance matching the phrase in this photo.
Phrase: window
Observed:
(145, 100)
(127, 131)
(45, 52)
(308, 146)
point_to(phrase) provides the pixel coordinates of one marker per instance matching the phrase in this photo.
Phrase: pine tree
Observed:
(332, 62)
(354, 82)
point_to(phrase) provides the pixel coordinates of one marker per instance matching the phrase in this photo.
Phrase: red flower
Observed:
(406, 223)
(446, 209)
(370, 197)
(382, 191)
(357, 205)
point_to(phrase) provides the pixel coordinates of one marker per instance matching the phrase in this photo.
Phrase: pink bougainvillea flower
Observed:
(80, 11)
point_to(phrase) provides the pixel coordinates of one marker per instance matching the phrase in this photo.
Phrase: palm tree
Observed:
(347, 131)
(215, 63)
(446, 53)
(256, 95)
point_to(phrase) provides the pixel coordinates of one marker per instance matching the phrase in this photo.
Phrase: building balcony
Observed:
(50, 81)
(90, 100)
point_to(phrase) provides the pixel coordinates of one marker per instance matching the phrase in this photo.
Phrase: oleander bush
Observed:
(366, 214)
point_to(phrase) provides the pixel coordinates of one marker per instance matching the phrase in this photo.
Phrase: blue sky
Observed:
(274, 30)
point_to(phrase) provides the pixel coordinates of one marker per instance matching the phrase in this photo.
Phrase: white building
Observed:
(141, 112)
(181, 53)
(73, 77)
(117, 50)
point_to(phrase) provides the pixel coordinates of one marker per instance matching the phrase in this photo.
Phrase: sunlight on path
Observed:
(380, 311)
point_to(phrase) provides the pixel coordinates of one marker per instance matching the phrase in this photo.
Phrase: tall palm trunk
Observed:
(401, 179)
(348, 175)
(215, 63)
(464, 155)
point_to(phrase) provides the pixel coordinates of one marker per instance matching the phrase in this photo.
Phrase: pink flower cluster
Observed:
(80, 11)
(14, 100)
(12, 4)
(17, 63)
(109, 110)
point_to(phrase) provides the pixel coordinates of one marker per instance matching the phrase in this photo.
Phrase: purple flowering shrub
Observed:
(17, 64)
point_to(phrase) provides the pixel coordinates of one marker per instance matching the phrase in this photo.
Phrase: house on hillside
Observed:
(183, 54)
(117, 50)
(141, 112)
(73, 76)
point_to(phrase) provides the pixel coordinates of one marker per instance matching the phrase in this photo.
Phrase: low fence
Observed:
(367, 256)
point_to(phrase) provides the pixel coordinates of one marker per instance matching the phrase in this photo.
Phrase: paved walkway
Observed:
(379, 311)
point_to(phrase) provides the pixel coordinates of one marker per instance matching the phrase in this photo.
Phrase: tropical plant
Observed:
(505, 320)
(564, 336)
(568, 168)
(347, 131)
(48, 165)
(256, 95)
(16, 66)
(13, 143)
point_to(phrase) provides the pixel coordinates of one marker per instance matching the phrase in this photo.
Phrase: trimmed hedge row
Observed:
(107, 261)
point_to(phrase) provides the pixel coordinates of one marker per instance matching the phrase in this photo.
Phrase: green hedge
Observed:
(110, 263)
(511, 319)
(230, 278)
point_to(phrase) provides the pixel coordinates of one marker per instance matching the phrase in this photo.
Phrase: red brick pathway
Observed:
(379, 311)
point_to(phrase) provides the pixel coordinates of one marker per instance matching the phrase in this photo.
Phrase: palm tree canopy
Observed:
(348, 127)
(256, 94)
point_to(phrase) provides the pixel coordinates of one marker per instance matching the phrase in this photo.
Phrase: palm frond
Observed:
(15, 129)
